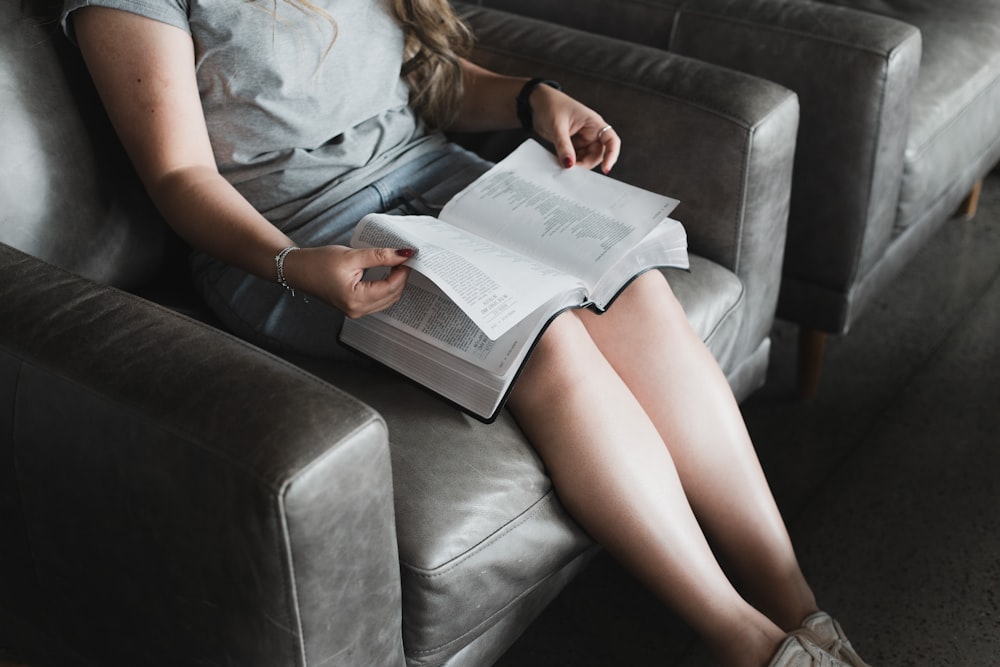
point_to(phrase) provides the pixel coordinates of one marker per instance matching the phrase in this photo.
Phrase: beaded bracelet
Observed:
(279, 263)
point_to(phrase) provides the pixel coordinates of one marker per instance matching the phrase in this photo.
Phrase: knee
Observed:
(561, 356)
(564, 340)
(652, 288)
(648, 298)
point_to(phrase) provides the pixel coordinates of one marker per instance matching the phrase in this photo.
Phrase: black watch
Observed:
(524, 106)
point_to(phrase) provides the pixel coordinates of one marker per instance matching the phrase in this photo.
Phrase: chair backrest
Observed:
(641, 21)
(67, 192)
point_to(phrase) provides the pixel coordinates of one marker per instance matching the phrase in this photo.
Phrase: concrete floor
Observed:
(889, 481)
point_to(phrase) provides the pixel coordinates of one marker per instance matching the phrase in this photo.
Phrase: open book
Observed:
(521, 244)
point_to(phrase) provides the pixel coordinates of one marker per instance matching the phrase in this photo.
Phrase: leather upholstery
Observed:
(955, 122)
(180, 488)
(172, 495)
(472, 501)
(680, 114)
(68, 165)
(868, 75)
(900, 116)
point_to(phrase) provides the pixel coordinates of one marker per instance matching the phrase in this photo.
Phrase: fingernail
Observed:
(567, 162)
(405, 252)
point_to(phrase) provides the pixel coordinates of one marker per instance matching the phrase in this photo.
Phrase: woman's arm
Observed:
(144, 72)
(488, 103)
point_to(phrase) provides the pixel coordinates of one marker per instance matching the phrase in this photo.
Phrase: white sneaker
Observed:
(800, 650)
(830, 637)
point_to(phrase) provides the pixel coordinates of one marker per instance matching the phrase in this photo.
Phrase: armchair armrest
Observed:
(720, 141)
(855, 74)
(197, 499)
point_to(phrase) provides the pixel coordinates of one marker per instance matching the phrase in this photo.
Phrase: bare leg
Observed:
(616, 477)
(648, 342)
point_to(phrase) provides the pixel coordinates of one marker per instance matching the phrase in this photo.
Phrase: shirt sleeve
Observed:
(171, 12)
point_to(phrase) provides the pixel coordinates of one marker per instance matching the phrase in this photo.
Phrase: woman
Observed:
(263, 132)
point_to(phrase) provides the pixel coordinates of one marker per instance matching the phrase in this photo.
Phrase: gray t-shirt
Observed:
(301, 111)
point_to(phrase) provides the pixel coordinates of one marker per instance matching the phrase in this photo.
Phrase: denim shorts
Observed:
(265, 313)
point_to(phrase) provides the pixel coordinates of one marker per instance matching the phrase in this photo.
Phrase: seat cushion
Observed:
(955, 119)
(712, 297)
(480, 529)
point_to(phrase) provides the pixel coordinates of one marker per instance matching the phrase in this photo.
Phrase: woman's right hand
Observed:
(335, 274)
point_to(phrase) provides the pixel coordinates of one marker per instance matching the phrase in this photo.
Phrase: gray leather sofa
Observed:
(171, 495)
(900, 103)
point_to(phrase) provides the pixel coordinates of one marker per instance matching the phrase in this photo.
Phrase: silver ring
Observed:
(603, 130)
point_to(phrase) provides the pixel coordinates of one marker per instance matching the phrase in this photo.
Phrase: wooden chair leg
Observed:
(967, 209)
(812, 346)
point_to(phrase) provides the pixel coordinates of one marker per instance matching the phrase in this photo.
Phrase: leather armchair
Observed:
(900, 104)
(172, 495)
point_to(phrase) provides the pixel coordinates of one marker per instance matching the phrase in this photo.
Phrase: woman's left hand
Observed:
(579, 134)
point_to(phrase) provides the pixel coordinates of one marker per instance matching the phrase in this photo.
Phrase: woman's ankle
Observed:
(750, 642)
(788, 605)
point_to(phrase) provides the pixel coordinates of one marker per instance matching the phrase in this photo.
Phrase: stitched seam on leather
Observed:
(193, 440)
(292, 596)
(727, 314)
(95, 292)
(136, 412)
(925, 215)
(736, 229)
(743, 122)
(476, 550)
(487, 621)
(954, 119)
(137, 409)
(292, 588)
(590, 74)
(887, 57)
(747, 150)
(232, 339)
(872, 159)
(652, 5)
(747, 23)
(746, 124)
(288, 581)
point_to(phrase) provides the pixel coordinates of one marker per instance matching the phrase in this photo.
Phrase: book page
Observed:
(427, 338)
(579, 221)
(495, 287)
(428, 314)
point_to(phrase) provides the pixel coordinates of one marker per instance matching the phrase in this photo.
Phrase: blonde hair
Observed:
(435, 40)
